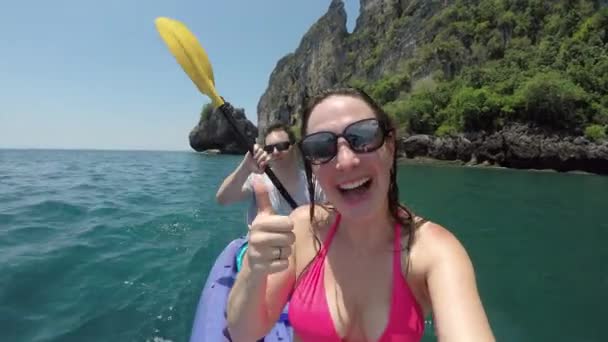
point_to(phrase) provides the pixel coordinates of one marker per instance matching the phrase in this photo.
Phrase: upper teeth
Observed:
(355, 184)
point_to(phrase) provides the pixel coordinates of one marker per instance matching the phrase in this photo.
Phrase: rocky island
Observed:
(513, 83)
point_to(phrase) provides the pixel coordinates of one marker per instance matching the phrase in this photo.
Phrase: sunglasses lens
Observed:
(283, 146)
(319, 148)
(364, 136)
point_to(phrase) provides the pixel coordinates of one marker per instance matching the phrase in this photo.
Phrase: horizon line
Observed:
(94, 149)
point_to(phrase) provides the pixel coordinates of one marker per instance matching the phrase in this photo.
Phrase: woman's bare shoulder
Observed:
(301, 217)
(436, 238)
(435, 244)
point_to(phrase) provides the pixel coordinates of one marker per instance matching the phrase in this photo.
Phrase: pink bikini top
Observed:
(309, 312)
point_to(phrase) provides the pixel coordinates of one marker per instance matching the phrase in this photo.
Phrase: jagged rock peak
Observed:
(386, 34)
(316, 64)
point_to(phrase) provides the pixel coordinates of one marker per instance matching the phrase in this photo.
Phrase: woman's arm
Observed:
(262, 287)
(256, 302)
(232, 188)
(457, 308)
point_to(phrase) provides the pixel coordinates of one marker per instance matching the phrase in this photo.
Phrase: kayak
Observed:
(210, 318)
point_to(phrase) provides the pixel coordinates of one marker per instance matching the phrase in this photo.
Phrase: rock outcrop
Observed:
(516, 146)
(214, 133)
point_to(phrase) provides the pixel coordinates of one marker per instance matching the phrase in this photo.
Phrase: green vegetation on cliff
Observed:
(206, 111)
(492, 62)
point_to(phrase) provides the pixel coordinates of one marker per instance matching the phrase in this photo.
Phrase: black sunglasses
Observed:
(363, 136)
(282, 146)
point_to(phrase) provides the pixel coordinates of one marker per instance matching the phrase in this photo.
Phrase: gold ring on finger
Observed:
(280, 253)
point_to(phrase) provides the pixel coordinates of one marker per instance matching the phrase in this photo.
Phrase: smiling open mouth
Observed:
(357, 187)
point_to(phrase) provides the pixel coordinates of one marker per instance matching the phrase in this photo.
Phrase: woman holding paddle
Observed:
(280, 154)
(365, 268)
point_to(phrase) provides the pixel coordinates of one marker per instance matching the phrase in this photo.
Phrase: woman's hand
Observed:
(258, 162)
(271, 236)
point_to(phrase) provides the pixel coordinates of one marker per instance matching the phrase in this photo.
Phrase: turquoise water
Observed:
(100, 246)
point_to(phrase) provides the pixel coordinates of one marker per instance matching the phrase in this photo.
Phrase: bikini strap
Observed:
(397, 249)
(331, 233)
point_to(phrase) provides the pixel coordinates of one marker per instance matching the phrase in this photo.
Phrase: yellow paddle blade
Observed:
(200, 55)
(190, 55)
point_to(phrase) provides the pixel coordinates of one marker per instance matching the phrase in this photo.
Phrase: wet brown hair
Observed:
(277, 127)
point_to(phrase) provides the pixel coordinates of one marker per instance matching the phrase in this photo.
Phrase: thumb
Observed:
(262, 198)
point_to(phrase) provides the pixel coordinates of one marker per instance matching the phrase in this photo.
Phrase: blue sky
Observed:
(96, 75)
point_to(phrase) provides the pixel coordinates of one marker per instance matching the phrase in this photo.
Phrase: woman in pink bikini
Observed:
(364, 268)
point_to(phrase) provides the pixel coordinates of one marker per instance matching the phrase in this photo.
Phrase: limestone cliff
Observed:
(487, 80)
(316, 64)
(385, 35)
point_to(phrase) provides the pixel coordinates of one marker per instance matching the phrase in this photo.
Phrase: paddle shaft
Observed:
(227, 110)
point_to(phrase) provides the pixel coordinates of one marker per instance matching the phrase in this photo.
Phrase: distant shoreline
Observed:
(401, 160)
(458, 163)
